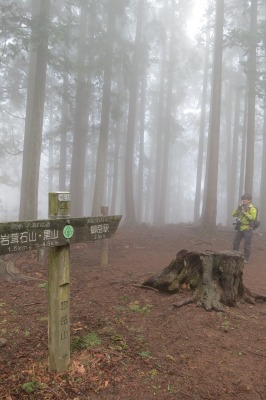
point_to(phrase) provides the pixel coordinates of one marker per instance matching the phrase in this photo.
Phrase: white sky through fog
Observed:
(195, 21)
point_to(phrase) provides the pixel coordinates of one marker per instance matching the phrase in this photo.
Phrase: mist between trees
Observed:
(117, 102)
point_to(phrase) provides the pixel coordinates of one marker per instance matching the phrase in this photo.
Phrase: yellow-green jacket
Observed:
(246, 216)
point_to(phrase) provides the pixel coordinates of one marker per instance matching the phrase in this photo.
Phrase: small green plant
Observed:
(92, 340)
(124, 298)
(85, 342)
(170, 388)
(225, 326)
(118, 342)
(153, 372)
(45, 318)
(120, 308)
(220, 314)
(136, 307)
(145, 354)
(27, 333)
(30, 387)
(43, 285)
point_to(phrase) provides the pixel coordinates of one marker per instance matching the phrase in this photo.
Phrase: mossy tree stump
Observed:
(214, 278)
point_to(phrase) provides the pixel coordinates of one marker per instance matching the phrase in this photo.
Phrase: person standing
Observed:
(245, 213)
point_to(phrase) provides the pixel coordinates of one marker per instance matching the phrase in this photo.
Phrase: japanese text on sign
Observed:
(21, 241)
(100, 231)
(64, 320)
(30, 235)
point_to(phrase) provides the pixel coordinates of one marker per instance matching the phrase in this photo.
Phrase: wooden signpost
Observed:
(57, 233)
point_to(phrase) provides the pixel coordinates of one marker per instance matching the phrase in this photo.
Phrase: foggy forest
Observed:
(155, 109)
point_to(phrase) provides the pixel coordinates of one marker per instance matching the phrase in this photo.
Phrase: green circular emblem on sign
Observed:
(68, 231)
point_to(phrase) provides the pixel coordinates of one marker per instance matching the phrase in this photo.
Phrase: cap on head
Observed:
(246, 196)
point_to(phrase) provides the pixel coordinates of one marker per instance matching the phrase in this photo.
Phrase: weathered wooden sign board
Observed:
(16, 237)
(57, 233)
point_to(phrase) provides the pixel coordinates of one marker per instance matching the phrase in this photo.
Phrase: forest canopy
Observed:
(153, 108)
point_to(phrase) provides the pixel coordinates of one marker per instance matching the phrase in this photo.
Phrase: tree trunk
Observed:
(64, 129)
(232, 195)
(167, 127)
(81, 120)
(159, 138)
(208, 221)
(214, 278)
(251, 115)
(263, 175)
(243, 147)
(34, 110)
(100, 178)
(141, 145)
(130, 217)
(263, 162)
(228, 143)
(200, 161)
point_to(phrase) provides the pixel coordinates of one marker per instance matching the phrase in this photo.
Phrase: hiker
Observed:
(246, 214)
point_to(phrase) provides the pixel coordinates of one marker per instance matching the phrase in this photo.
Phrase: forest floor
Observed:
(130, 343)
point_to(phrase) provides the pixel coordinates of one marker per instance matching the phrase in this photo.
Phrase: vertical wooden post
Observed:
(104, 243)
(59, 290)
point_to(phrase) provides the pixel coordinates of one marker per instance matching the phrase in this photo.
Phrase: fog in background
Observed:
(155, 109)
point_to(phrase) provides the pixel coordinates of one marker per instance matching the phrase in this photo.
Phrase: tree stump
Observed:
(214, 278)
(9, 272)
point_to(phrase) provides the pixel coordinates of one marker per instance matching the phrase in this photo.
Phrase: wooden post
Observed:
(104, 243)
(57, 233)
(59, 290)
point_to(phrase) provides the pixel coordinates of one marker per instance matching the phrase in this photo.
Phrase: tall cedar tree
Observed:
(34, 110)
(208, 222)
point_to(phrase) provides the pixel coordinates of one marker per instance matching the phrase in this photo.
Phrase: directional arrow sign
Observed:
(22, 236)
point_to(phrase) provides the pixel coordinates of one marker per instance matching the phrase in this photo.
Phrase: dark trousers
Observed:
(247, 236)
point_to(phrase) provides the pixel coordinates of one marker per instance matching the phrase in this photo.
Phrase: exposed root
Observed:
(9, 272)
(145, 287)
(251, 298)
(184, 302)
(259, 297)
